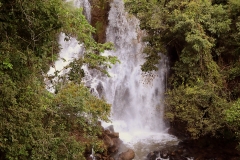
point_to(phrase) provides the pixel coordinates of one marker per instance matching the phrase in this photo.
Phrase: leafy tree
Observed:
(80, 112)
(199, 106)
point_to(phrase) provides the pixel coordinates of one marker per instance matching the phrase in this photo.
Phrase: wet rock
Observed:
(116, 144)
(110, 132)
(110, 128)
(180, 151)
(100, 89)
(98, 156)
(108, 141)
(173, 153)
(99, 18)
(128, 155)
(114, 135)
(164, 154)
(107, 132)
(151, 156)
(112, 143)
(89, 158)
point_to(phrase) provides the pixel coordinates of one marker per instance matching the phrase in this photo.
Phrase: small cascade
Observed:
(70, 49)
(92, 155)
(85, 5)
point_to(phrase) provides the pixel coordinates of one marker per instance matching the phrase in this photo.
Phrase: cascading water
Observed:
(70, 49)
(86, 7)
(136, 97)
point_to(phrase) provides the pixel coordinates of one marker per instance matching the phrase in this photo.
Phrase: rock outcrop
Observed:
(128, 155)
(111, 141)
(99, 18)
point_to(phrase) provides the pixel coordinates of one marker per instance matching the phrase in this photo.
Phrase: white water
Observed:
(70, 49)
(136, 97)
(85, 5)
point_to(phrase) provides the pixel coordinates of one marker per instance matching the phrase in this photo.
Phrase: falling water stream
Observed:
(136, 97)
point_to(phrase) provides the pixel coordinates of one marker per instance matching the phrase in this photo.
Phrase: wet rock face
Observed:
(113, 146)
(111, 141)
(99, 18)
(108, 141)
(128, 155)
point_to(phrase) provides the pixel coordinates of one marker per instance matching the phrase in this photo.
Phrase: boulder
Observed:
(111, 143)
(97, 156)
(114, 135)
(128, 155)
(116, 144)
(108, 141)
(151, 156)
(164, 154)
(110, 128)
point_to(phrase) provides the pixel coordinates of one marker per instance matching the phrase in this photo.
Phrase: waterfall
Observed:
(136, 97)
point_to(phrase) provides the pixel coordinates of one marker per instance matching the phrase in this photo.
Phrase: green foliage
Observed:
(199, 106)
(75, 103)
(34, 123)
(233, 117)
(233, 114)
(144, 10)
(75, 111)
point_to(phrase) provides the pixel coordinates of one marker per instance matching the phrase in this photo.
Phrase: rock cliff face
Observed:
(99, 18)
(111, 144)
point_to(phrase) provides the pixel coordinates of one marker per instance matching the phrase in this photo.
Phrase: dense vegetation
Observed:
(202, 39)
(34, 123)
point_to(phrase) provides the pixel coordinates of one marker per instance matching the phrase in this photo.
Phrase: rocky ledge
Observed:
(112, 143)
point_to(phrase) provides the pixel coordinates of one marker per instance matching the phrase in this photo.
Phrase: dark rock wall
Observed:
(99, 18)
